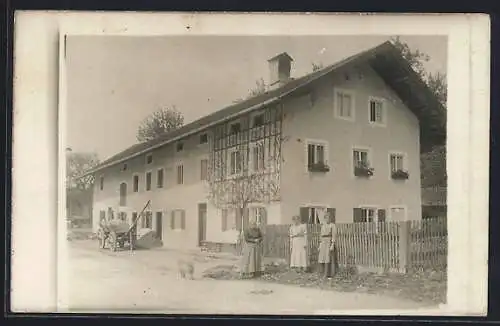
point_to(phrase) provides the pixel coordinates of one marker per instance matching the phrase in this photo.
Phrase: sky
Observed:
(114, 82)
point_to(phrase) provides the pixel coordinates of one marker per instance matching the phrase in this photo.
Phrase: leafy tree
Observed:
(415, 58)
(433, 167)
(159, 123)
(437, 83)
(77, 164)
(316, 66)
(433, 158)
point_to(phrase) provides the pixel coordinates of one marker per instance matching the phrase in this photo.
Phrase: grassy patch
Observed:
(426, 287)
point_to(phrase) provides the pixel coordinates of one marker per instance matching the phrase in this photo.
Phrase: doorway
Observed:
(202, 223)
(123, 194)
(159, 227)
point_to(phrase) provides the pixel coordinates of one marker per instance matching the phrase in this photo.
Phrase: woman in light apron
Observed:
(298, 245)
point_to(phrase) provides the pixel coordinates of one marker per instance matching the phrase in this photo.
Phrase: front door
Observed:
(159, 229)
(202, 223)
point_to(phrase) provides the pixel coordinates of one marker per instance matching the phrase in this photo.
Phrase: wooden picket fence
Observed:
(398, 246)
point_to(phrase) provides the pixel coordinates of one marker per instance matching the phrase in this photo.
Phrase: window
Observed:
(376, 111)
(178, 220)
(316, 214)
(397, 162)
(368, 215)
(344, 105)
(180, 174)
(159, 178)
(124, 167)
(101, 183)
(134, 217)
(236, 162)
(235, 128)
(148, 181)
(136, 183)
(228, 220)
(179, 147)
(259, 215)
(360, 158)
(258, 120)
(204, 169)
(258, 159)
(203, 138)
(122, 216)
(149, 158)
(315, 154)
(398, 213)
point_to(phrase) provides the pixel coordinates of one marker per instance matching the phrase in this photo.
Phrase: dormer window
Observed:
(180, 147)
(149, 158)
(203, 138)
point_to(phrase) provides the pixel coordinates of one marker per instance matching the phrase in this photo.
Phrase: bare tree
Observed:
(77, 164)
(259, 88)
(245, 175)
(159, 123)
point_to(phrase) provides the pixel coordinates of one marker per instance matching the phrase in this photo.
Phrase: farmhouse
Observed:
(344, 138)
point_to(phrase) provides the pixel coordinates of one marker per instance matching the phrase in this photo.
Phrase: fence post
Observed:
(404, 246)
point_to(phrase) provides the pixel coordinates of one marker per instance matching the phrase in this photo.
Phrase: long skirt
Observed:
(324, 254)
(252, 258)
(298, 257)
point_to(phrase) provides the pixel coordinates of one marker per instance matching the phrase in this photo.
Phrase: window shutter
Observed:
(183, 220)
(224, 220)
(304, 214)
(246, 218)
(332, 211)
(172, 220)
(237, 219)
(263, 216)
(357, 215)
(381, 215)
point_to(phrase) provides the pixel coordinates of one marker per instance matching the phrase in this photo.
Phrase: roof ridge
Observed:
(246, 104)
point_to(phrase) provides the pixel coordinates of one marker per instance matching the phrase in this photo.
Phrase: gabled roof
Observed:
(385, 59)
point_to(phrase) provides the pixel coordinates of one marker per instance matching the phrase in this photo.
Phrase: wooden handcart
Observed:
(117, 234)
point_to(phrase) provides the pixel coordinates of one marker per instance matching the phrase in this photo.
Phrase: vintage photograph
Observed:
(255, 174)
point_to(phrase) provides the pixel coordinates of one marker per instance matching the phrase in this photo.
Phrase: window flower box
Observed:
(319, 167)
(363, 171)
(400, 175)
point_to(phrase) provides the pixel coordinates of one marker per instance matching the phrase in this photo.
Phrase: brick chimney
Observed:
(279, 68)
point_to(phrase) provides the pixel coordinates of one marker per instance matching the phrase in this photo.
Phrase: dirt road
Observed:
(146, 281)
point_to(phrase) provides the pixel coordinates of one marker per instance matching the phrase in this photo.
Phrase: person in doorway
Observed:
(298, 245)
(327, 247)
(252, 253)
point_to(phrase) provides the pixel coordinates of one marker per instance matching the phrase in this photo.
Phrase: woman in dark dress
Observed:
(252, 253)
